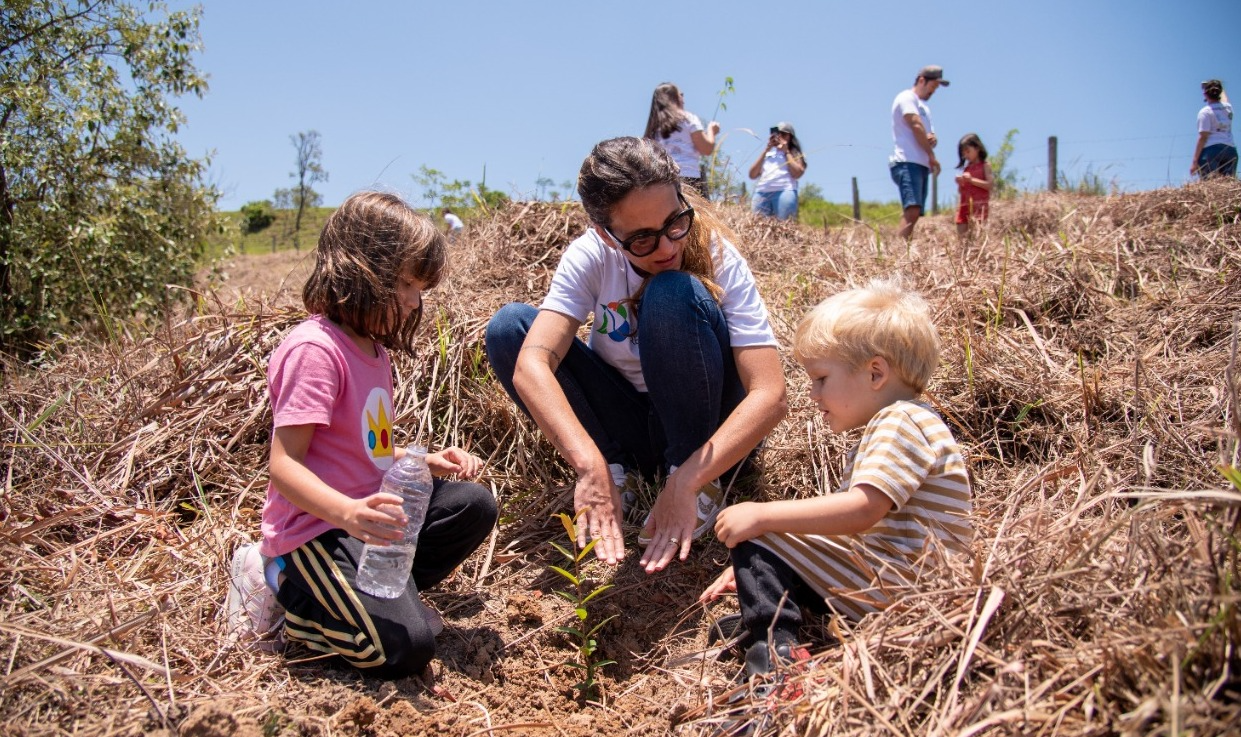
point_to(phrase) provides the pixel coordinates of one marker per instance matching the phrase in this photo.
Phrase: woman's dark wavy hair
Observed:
(618, 166)
(365, 247)
(970, 139)
(666, 112)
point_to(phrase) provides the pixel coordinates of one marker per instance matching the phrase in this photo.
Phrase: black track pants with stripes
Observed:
(386, 638)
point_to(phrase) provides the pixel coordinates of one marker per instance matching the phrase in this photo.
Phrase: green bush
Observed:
(100, 208)
(257, 215)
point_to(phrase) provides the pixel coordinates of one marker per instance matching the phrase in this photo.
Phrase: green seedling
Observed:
(579, 596)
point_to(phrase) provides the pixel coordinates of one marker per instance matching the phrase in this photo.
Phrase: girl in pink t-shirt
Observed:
(974, 184)
(330, 384)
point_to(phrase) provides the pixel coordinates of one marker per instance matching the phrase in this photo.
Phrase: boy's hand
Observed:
(454, 461)
(726, 583)
(738, 523)
(375, 519)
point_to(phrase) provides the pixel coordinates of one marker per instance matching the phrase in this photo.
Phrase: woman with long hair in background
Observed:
(681, 134)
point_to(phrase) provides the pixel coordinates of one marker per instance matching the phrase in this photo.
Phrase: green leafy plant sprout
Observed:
(718, 169)
(583, 634)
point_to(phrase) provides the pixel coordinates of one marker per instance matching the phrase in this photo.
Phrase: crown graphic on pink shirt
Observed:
(379, 437)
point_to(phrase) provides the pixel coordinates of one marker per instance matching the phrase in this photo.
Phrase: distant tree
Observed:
(257, 215)
(282, 199)
(309, 170)
(459, 194)
(100, 208)
(810, 192)
(541, 187)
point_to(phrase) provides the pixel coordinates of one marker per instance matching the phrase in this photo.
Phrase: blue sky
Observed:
(523, 90)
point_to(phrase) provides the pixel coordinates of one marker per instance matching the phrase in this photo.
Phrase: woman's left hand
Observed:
(671, 527)
(454, 461)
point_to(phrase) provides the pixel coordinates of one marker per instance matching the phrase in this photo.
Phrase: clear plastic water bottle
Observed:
(384, 569)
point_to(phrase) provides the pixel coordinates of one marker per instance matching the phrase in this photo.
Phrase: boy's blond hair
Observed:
(880, 319)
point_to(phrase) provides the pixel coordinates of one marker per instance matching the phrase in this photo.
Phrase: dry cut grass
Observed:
(1090, 371)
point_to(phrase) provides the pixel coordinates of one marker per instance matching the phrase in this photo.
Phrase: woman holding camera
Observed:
(680, 379)
(681, 134)
(1216, 151)
(777, 170)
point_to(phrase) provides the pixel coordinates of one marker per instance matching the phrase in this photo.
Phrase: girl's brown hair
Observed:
(373, 240)
(970, 139)
(619, 166)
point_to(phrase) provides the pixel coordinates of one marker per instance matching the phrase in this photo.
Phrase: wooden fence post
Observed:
(1051, 164)
(857, 205)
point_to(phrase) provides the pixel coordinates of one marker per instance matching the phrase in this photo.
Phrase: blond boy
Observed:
(869, 354)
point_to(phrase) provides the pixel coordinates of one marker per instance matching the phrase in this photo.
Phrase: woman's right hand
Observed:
(375, 519)
(598, 496)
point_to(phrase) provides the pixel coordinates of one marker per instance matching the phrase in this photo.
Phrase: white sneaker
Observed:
(709, 499)
(431, 615)
(255, 618)
(629, 497)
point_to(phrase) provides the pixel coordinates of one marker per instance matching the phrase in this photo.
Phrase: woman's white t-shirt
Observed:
(680, 145)
(1215, 119)
(595, 278)
(775, 176)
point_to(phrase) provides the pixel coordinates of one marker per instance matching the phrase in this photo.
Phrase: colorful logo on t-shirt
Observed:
(377, 427)
(613, 321)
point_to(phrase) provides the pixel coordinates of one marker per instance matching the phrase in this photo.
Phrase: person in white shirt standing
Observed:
(681, 134)
(1216, 151)
(913, 161)
(777, 170)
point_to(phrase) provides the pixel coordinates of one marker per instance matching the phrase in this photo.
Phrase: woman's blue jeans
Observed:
(1218, 160)
(687, 362)
(781, 205)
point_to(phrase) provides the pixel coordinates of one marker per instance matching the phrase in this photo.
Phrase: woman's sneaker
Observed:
(630, 497)
(709, 499)
(255, 618)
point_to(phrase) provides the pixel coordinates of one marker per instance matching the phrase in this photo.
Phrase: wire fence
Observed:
(1107, 164)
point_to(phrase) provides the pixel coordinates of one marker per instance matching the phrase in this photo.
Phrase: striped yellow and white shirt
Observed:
(909, 454)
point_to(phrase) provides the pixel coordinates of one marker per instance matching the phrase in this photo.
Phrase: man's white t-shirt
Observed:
(680, 145)
(454, 222)
(1216, 120)
(907, 148)
(595, 278)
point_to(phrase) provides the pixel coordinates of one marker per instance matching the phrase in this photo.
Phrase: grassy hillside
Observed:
(278, 236)
(1089, 371)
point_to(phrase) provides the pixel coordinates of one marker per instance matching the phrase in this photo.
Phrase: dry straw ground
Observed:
(1089, 371)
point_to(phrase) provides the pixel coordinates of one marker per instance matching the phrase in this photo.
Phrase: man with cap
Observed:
(913, 162)
(777, 170)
